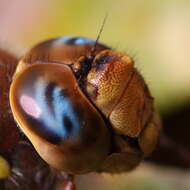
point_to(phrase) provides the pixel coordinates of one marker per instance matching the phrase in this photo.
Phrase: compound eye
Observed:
(58, 119)
(45, 103)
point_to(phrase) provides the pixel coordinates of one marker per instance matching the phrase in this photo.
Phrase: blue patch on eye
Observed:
(72, 40)
(64, 122)
(84, 41)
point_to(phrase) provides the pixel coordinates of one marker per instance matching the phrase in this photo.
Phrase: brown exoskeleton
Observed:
(84, 107)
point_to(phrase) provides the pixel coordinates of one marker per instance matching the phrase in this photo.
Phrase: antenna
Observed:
(99, 34)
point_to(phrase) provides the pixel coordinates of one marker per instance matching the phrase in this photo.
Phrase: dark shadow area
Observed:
(174, 146)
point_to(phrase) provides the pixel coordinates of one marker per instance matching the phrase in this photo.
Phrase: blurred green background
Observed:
(155, 33)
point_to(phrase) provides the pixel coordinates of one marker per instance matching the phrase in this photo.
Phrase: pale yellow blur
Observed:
(4, 168)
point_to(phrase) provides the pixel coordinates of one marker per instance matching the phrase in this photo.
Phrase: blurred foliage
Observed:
(155, 33)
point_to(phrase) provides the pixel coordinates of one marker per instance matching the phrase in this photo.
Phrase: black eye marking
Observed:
(67, 124)
(71, 41)
(100, 63)
(49, 96)
(39, 127)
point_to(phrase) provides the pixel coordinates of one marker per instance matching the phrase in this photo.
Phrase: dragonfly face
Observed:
(84, 106)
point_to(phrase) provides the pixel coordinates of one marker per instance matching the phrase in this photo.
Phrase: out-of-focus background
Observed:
(155, 33)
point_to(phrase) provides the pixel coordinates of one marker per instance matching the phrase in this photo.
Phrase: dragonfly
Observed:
(69, 106)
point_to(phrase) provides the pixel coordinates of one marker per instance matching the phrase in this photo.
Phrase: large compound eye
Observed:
(59, 120)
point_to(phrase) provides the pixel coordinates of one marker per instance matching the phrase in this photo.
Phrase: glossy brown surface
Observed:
(79, 151)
